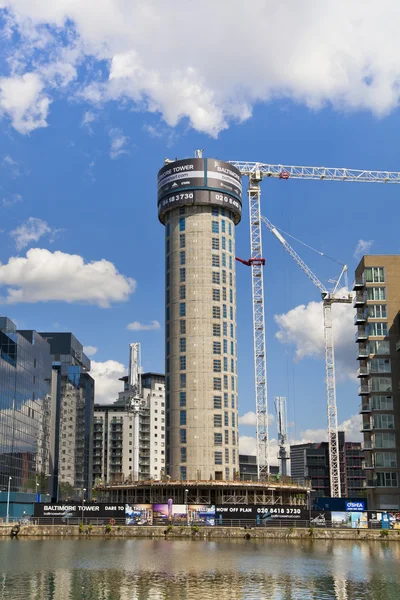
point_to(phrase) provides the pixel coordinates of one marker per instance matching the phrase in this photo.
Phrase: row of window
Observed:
(375, 329)
(216, 312)
(217, 329)
(217, 419)
(223, 349)
(219, 455)
(218, 347)
(217, 400)
(216, 262)
(215, 245)
(217, 383)
(217, 277)
(221, 226)
(218, 438)
(216, 295)
(374, 275)
(376, 293)
(218, 364)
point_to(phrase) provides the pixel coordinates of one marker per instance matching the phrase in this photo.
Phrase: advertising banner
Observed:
(382, 519)
(350, 519)
(138, 514)
(169, 514)
(259, 515)
(201, 514)
(69, 512)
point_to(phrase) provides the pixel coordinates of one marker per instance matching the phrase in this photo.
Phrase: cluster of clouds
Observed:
(142, 55)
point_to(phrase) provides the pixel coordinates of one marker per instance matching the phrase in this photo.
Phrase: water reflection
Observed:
(185, 570)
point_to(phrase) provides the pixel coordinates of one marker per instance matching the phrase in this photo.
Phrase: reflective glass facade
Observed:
(74, 402)
(25, 408)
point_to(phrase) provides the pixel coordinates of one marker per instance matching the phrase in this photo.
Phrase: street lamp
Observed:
(186, 503)
(8, 500)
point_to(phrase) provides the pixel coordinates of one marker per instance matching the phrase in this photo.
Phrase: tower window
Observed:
(182, 325)
(215, 260)
(215, 227)
(182, 257)
(216, 347)
(216, 296)
(182, 292)
(218, 458)
(182, 399)
(182, 240)
(217, 383)
(217, 366)
(182, 417)
(215, 243)
(215, 277)
(182, 344)
(216, 330)
(182, 436)
(217, 402)
(182, 309)
(216, 312)
(217, 439)
(182, 274)
(182, 362)
(182, 224)
(217, 420)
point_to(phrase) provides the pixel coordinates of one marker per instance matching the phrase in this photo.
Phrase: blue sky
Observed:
(90, 107)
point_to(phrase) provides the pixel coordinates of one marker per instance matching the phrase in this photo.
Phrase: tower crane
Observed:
(328, 299)
(281, 415)
(256, 172)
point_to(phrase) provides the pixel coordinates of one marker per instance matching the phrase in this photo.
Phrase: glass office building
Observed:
(25, 409)
(73, 392)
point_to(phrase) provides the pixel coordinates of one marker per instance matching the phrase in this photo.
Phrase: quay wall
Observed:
(203, 533)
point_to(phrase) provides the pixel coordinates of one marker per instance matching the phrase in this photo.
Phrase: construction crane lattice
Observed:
(256, 172)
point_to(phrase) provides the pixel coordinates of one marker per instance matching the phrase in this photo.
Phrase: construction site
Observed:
(200, 204)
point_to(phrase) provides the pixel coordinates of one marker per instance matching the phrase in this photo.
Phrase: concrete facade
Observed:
(201, 351)
(377, 286)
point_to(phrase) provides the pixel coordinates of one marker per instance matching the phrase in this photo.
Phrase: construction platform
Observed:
(205, 492)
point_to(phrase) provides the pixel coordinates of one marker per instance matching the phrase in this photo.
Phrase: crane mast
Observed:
(328, 299)
(260, 364)
(281, 415)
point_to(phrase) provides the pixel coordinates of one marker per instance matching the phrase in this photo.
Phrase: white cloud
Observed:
(23, 100)
(363, 247)
(44, 276)
(90, 350)
(136, 326)
(12, 167)
(250, 418)
(106, 375)
(330, 53)
(303, 326)
(118, 143)
(88, 118)
(11, 200)
(30, 231)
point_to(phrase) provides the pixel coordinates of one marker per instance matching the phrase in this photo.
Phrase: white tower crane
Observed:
(328, 298)
(281, 416)
(256, 172)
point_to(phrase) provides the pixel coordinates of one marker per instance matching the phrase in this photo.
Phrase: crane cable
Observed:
(310, 247)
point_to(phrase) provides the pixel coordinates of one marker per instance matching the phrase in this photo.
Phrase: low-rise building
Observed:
(311, 461)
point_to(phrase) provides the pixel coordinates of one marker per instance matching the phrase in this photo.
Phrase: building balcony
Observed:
(363, 351)
(366, 425)
(365, 407)
(367, 445)
(361, 334)
(358, 283)
(364, 389)
(363, 370)
(360, 299)
(360, 317)
(398, 346)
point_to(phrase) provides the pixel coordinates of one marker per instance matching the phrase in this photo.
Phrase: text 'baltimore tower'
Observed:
(199, 202)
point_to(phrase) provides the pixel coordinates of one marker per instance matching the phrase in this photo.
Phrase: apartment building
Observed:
(377, 300)
(129, 434)
(311, 461)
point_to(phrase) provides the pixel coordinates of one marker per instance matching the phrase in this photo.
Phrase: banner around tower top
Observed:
(199, 181)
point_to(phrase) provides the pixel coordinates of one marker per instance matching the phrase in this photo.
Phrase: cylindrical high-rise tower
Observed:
(199, 202)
